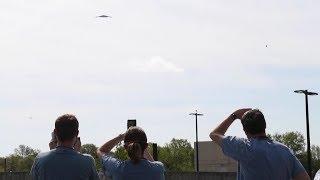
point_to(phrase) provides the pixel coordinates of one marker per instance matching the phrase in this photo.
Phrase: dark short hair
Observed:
(253, 122)
(66, 127)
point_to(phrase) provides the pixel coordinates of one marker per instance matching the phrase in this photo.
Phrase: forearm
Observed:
(223, 127)
(217, 134)
(147, 155)
(107, 147)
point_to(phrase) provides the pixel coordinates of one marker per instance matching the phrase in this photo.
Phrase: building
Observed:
(212, 159)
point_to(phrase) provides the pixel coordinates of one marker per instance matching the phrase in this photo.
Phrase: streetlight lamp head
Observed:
(196, 114)
(312, 93)
(306, 92)
(300, 91)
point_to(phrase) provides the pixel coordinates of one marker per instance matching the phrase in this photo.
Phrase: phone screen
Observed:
(131, 122)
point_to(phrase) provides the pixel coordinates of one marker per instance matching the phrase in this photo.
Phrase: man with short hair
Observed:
(259, 156)
(64, 162)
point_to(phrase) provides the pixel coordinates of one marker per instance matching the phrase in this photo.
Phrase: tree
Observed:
(92, 150)
(315, 151)
(25, 151)
(89, 149)
(2, 164)
(178, 155)
(22, 159)
(294, 140)
(121, 152)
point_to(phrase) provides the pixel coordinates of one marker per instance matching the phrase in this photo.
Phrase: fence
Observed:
(15, 176)
(169, 176)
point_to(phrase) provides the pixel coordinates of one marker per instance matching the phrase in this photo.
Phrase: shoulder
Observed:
(157, 165)
(234, 141)
(110, 160)
(235, 138)
(282, 147)
(279, 144)
(87, 159)
(108, 157)
(44, 155)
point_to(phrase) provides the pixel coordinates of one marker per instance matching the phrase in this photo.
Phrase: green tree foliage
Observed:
(92, 150)
(178, 155)
(1, 164)
(25, 151)
(294, 140)
(22, 159)
(315, 152)
(121, 152)
(89, 149)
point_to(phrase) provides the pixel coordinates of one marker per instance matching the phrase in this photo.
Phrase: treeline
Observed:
(177, 155)
(296, 142)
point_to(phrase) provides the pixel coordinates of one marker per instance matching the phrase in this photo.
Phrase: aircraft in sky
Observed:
(103, 16)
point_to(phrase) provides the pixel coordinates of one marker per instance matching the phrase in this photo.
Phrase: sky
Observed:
(155, 61)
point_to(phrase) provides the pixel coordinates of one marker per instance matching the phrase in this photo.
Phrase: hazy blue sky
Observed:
(155, 61)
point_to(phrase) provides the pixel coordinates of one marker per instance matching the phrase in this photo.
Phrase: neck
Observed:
(263, 134)
(68, 144)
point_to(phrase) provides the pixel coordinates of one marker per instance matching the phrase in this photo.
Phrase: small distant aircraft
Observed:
(104, 16)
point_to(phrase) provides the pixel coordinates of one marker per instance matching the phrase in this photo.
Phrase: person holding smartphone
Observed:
(53, 143)
(64, 161)
(141, 164)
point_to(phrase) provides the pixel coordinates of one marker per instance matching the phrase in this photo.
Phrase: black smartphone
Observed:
(131, 122)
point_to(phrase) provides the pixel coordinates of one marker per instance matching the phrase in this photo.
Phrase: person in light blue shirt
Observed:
(141, 165)
(63, 162)
(259, 156)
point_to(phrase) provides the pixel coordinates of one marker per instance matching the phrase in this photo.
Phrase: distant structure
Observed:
(212, 159)
(104, 16)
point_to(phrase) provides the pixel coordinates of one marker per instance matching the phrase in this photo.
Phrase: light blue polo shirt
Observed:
(63, 164)
(126, 170)
(262, 158)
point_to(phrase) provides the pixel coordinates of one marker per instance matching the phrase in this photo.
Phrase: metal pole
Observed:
(197, 147)
(197, 141)
(308, 136)
(5, 164)
(308, 93)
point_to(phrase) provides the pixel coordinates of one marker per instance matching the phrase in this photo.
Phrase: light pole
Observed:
(197, 147)
(5, 164)
(307, 93)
